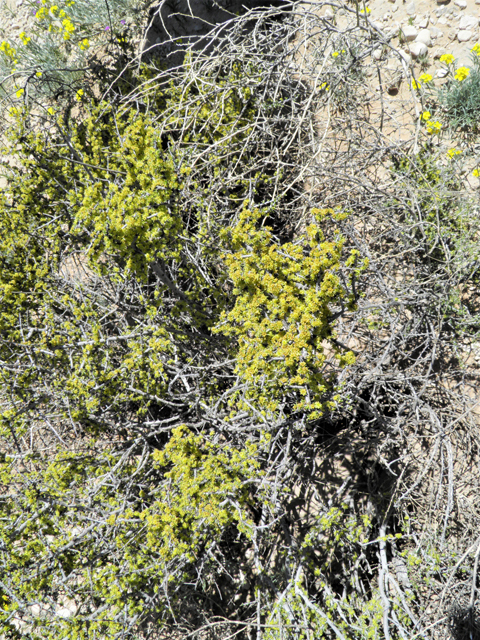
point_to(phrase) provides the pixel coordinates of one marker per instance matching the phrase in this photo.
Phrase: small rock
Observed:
(441, 73)
(424, 36)
(405, 56)
(435, 32)
(468, 22)
(409, 33)
(378, 52)
(19, 3)
(461, 4)
(477, 1)
(464, 35)
(442, 20)
(442, 1)
(328, 13)
(410, 9)
(418, 49)
(423, 24)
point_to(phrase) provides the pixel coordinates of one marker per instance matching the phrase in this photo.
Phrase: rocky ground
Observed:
(15, 16)
(428, 28)
(422, 28)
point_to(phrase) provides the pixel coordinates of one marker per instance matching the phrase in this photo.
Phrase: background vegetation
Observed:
(238, 327)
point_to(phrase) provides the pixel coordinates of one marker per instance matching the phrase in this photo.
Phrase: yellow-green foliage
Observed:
(207, 490)
(146, 340)
(131, 218)
(282, 314)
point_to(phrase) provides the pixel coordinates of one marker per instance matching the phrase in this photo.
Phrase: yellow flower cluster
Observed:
(69, 28)
(447, 58)
(84, 44)
(325, 86)
(453, 152)
(424, 78)
(7, 50)
(57, 14)
(462, 73)
(335, 54)
(366, 12)
(476, 49)
(23, 37)
(476, 173)
(433, 127)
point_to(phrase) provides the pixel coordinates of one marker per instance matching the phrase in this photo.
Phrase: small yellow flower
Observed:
(325, 86)
(476, 173)
(51, 111)
(447, 58)
(416, 84)
(367, 11)
(426, 115)
(84, 44)
(433, 127)
(335, 54)
(476, 49)
(453, 152)
(79, 95)
(39, 74)
(23, 37)
(425, 78)
(462, 73)
(20, 92)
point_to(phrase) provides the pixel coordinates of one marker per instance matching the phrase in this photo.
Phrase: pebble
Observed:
(378, 52)
(410, 9)
(464, 35)
(441, 73)
(461, 4)
(442, 1)
(468, 22)
(435, 32)
(442, 20)
(418, 49)
(424, 37)
(423, 24)
(409, 33)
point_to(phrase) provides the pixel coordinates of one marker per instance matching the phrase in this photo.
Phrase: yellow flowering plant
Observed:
(45, 52)
(459, 97)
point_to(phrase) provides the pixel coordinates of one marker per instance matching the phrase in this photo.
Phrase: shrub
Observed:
(117, 260)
